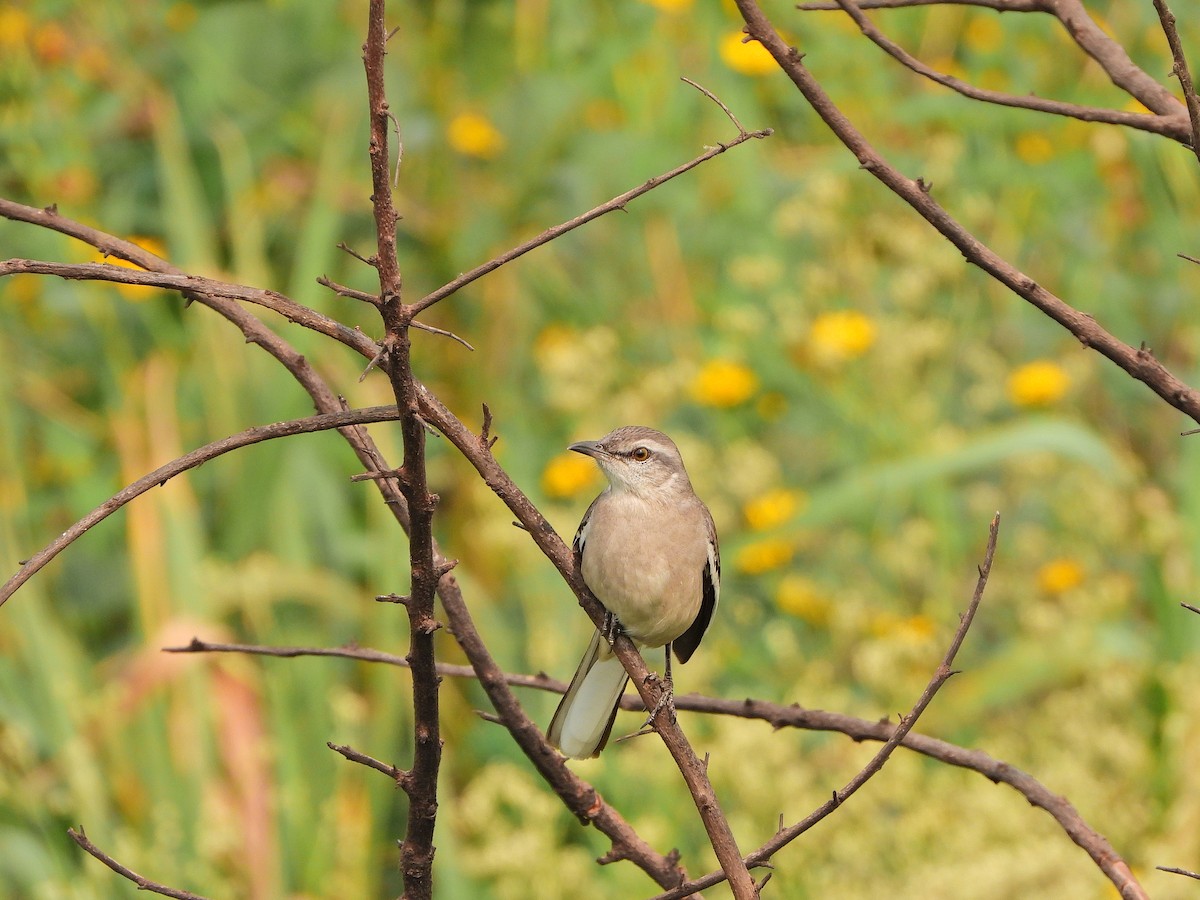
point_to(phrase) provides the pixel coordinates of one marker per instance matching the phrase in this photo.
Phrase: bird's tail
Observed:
(585, 715)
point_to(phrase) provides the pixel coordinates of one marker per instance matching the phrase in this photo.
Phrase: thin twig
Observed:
(143, 883)
(618, 202)
(1175, 871)
(777, 715)
(397, 775)
(998, 5)
(1138, 364)
(342, 291)
(940, 676)
(1157, 124)
(579, 796)
(1180, 69)
(1188, 606)
(197, 457)
(441, 332)
(346, 248)
(190, 286)
(721, 103)
(551, 544)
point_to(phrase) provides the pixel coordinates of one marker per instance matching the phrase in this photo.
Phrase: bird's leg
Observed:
(666, 700)
(611, 627)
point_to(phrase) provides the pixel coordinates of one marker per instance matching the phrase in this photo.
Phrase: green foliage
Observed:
(852, 461)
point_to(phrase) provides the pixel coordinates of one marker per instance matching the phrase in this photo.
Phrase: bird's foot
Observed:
(611, 627)
(666, 700)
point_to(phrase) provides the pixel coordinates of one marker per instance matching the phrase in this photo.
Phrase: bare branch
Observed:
(143, 883)
(717, 100)
(421, 782)
(342, 291)
(253, 329)
(1138, 363)
(1175, 871)
(1167, 19)
(1112, 58)
(998, 5)
(941, 675)
(618, 202)
(440, 332)
(397, 775)
(777, 715)
(548, 541)
(197, 457)
(190, 286)
(576, 793)
(1168, 126)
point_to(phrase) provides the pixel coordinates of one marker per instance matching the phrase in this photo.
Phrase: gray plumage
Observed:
(647, 549)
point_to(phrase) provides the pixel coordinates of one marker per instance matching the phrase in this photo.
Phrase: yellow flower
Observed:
(746, 58)
(568, 475)
(841, 335)
(915, 629)
(802, 597)
(135, 291)
(771, 509)
(983, 34)
(763, 556)
(1060, 575)
(1039, 383)
(670, 6)
(474, 135)
(722, 382)
(14, 26)
(1034, 148)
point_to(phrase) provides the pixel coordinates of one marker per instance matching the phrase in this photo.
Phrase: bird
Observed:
(647, 549)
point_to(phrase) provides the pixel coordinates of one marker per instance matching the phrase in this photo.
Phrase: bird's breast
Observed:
(645, 563)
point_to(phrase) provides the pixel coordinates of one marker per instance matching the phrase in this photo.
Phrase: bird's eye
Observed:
(641, 454)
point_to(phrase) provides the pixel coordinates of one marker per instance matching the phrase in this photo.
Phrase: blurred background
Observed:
(853, 401)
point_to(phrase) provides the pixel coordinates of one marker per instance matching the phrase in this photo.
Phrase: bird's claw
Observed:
(611, 627)
(666, 700)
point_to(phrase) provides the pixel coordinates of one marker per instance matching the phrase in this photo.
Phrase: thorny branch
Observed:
(198, 457)
(1137, 362)
(1167, 19)
(1169, 126)
(143, 883)
(421, 782)
(777, 715)
(575, 793)
(419, 405)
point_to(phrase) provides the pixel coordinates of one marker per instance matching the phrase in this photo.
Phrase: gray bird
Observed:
(647, 548)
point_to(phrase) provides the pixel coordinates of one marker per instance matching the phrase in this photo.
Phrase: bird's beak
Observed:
(594, 449)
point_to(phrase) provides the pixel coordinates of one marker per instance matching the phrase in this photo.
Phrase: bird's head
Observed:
(639, 460)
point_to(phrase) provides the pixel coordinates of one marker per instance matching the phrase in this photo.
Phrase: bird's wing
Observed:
(685, 645)
(581, 532)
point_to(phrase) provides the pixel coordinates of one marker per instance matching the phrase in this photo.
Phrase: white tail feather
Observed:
(582, 721)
